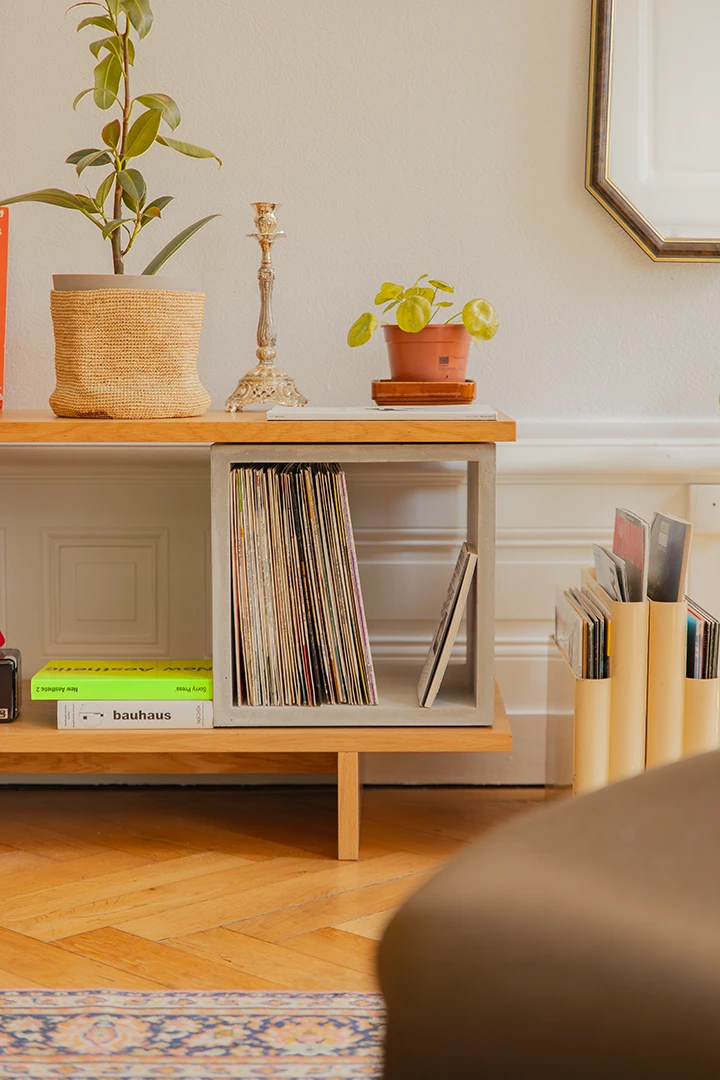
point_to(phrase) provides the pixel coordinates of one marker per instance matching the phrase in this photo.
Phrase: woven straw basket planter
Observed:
(126, 354)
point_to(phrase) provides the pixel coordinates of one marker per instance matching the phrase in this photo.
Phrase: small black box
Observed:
(10, 685)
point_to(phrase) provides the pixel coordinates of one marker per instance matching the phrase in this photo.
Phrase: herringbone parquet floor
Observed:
(216, 889)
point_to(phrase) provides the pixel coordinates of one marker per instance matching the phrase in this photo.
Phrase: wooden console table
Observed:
(34, 745)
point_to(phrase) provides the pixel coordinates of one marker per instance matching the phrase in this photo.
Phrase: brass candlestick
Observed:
(265, 382)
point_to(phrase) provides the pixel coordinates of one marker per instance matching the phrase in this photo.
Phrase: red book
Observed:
(4, 225)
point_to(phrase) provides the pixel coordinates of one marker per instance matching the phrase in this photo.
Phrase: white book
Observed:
(450, 616)
(384, 412)
(129, 715)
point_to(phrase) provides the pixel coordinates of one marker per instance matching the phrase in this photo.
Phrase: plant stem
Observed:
(452, 318)
(117, 252)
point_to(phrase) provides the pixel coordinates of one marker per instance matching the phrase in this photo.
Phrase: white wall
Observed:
(401, 138)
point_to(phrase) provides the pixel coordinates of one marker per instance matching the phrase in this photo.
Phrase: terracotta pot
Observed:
(434, 354)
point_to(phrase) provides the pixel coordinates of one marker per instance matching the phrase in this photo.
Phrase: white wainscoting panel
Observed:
(105, 590)
(107, 552)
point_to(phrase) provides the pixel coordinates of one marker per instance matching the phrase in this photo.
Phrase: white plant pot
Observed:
(92, 282)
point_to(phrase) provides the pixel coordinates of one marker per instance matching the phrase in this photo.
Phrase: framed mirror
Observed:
(653, 155)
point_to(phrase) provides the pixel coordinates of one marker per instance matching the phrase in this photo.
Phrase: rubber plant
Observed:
(119, 208)
(416, 307)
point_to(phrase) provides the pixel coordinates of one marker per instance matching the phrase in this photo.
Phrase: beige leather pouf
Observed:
(580, 942)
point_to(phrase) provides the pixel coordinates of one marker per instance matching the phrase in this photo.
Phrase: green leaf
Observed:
(139, 14)
(113, 46)
(443, 303)
(188, 149)
(87, 204)
(51, 196)
(111, 134)
(362, 330)
(104, 190)
(90, 157)
(414, 313)
(102, 21)
(78, 155)
(133, 184)
(442, 286)
(148, 215)
(429, 294)
(143, 133)
(115, 224)
(177, 242)
(480, 319)
(166, 106)
(107, 82)
(81, 95)
(159, 203)
(113, 7)
(388, 291)
(391, 305)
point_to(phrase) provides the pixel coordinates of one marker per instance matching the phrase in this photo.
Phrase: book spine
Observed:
(51, 688)
(4, 235)
(355, 570)
(130, 715)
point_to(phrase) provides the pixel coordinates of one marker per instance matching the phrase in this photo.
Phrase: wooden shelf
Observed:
(35, 732)
(41, 426)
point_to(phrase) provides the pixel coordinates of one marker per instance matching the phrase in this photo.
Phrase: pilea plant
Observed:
(125, 138)
(417, 306)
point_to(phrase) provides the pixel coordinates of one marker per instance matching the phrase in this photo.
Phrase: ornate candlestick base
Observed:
(266, 381)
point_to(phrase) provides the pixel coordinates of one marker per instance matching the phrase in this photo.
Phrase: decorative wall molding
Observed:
(105, 592)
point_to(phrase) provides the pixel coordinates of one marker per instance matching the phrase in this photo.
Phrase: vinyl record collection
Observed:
(300, 635)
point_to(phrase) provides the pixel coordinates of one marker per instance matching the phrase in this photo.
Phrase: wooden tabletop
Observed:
(41, 426)
(36, 732)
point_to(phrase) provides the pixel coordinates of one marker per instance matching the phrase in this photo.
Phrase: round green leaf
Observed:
(414, 313)
(388, 291)
(362, 330)
(443, 303)
(442, 286)
(480, 319)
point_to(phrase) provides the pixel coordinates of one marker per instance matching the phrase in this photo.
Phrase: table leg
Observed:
(348, 805)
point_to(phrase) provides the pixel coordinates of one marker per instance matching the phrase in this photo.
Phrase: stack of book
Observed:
(127, 694)
(300, 635)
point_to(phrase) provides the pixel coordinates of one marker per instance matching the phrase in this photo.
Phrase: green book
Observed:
(124, 680)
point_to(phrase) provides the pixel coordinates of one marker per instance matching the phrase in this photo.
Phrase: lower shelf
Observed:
(397, 706)
(35, 733)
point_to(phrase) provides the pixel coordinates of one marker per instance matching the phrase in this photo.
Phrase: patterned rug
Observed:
(126, 1035)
